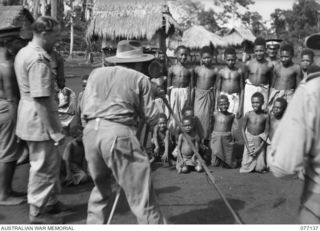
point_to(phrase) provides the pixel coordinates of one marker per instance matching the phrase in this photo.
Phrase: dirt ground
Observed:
(183, 198)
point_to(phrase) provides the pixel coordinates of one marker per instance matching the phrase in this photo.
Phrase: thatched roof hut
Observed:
(198, 36)
(237, 36)
(123, 19)
(15, 16)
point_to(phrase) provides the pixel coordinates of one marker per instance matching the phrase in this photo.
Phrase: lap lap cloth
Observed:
(274, 94)
(113, 148)
(178, 99)
(222, 147)
(186, 161)
(203, 109)
(250, 163)
(9, 150)
(249, 90)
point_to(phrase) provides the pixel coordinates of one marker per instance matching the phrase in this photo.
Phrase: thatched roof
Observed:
(13, 16)
(237, 36)
(197, 37)
(134, 19)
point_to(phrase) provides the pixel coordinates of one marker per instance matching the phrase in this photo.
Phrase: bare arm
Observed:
(266, 132)
(179, 144)
(155, 137)
(243, 130)
(166, 147)
(239, 114)
(298, 75)
(169, 82)
(218, 89)
(192, 85)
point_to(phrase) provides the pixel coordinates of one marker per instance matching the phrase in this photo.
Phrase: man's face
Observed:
(278, 109)
(306, 61)
(206, 59)
(182, 56)
(259, 51)
(51, 38)
(272, 51)
(256, 103)
(285, 58)
(223, 105)
(230, 60)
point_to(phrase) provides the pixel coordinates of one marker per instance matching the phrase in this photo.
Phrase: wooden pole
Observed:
(71, 30)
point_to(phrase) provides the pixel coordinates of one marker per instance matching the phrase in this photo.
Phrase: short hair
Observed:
(308, 52)
(230, 51)
(44, 24)
(206, 49)
(84, 77)
(258, 95)
(287, 47)
(182, 47)
(187, 108)
(260, 42)
(162, 116)
(282, 101)
(223, 97)
(187, 118)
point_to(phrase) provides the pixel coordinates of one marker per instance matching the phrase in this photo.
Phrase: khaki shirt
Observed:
(295, 148)
(118, 94)
(34, 76)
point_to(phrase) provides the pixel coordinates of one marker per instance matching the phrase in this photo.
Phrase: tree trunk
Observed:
(71, 31)
(35, 9)
(54, 9)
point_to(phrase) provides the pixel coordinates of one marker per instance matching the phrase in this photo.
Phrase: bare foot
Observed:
(12, 201)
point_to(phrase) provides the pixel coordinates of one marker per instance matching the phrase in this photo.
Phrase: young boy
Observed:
(161, 139)
(221, 139)
(287, 76)
(159, 92)
(259, 75)
(67, 108)
(186, 157)
(255, 133)
(205, 78)
(75, 163)
(180, 83)
(231, 83)
(307, 56)
(273, 46)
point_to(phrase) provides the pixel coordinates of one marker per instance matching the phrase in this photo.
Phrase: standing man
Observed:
(273, 46)
(114, 99)
(10, 151)
(295, 148)
(38, 122)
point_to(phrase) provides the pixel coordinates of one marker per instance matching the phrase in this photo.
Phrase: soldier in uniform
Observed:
(295, 148)
(37, 121)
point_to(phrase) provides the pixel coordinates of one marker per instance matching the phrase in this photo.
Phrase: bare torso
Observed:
(223, 121)
(287, 78)
(274, 123)
(205, 77)
(230, 80)
(179, 76)
(259, 73)
(186, 149)
(256, 122)
(8, 83)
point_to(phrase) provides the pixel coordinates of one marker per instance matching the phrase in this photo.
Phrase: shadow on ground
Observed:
(216, 213)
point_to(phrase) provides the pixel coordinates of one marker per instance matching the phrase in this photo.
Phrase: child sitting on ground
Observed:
(75, 163)
(186, 158)
(221, 139)
(67, 108)
(161, 140)
(255, 133)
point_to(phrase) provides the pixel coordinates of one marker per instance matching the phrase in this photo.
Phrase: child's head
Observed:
(64, 97)
(187, 123)
(286, 54)
(162, 121)
(161, 56)
(306, 58)
(157, 87)
(182, 54)
(257, 101)
(230, 57)
(84, 80)
(279, 107)
(188, 111)
(223, 103)
(206, 55)
(259, 48)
